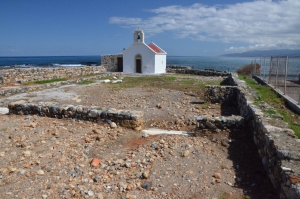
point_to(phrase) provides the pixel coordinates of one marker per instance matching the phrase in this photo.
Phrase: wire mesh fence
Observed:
(283, 73)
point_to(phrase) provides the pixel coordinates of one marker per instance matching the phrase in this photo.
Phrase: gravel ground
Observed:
(59, 158)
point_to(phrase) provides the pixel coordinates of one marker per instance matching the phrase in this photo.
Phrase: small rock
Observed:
(26, 153)
(127, 164)
(95, 162)
(129, 196)
(113, 125)
(123, 186)
(159, 106)
(146, 174)
(32, 125)
(40, 172)
(96, 178)
(225, 142)
(185, 153)
(146, 185)
(218, 175)
(90, 193)
(12, 169)
(97, 131)
(44, 196)
(133, 164)
(154, 145)
(294, 179)
(229, 183)
(23, 172)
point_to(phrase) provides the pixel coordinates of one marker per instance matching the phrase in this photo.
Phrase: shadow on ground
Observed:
(250, 174)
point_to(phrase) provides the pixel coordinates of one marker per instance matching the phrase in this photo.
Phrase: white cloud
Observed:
(261, 24)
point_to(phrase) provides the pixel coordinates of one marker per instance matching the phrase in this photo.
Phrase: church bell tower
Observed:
(138, 36)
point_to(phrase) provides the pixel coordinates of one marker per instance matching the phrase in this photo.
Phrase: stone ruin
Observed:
(278, 147)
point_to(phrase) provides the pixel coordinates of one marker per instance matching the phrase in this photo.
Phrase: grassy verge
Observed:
(266, 94)
(172, 82)
(46, 81)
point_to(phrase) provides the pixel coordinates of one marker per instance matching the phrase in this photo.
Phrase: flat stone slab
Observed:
(148, 132)
(4, 111)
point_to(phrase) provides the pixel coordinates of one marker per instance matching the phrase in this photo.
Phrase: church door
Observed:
(120, 64)
(138, 65)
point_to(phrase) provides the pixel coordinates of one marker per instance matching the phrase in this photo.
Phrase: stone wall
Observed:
(24, 89)
(278, 147)
(110, 62)
(219, 123)
(221, 94)
(189, 70)
(125, 118)
(20, 75)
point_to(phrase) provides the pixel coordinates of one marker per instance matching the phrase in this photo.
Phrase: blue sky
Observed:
(187, 28)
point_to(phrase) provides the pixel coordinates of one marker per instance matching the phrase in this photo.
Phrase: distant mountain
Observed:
(266, 53)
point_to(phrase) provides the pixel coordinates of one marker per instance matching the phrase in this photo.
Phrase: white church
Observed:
(143, 58)
(137, 58)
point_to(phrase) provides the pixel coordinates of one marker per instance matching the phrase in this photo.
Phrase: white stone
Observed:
(105, 81)
(113, 125)
(27, 153)
(286, 169)
(3, 111)
(164, 132)
(40, 172)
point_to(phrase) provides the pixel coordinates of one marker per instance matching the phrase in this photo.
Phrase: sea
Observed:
(219, 63)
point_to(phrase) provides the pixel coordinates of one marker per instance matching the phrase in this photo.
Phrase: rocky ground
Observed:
(60, 158)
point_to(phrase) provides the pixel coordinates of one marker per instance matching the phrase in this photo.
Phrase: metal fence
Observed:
(283, 73)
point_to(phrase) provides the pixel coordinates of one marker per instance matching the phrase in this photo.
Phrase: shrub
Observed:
(248, 69)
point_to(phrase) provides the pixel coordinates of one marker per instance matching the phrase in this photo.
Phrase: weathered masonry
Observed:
(125, 118)
(24, 89)
(278, 147)
(21, 75)
(113, 63)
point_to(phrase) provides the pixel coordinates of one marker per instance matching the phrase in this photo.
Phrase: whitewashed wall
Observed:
(160, 63)
(148, 58)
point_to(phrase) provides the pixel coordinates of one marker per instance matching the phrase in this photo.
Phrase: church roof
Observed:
(155, 48)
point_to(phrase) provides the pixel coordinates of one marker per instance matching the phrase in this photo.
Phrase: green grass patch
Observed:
(270, 112)
(46, 81)
(106, 77)
(266, 94)
(204, 106)
(173, 82)
(85, 82)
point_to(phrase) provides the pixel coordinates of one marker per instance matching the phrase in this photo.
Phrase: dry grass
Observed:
(248, 70)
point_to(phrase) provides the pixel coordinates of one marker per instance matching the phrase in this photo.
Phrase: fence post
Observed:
(260, 68)
(271, 67)
(277, 73)
(265, 68)
(286, 63)
(299, 99)
(255, 67)
(252, 68)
